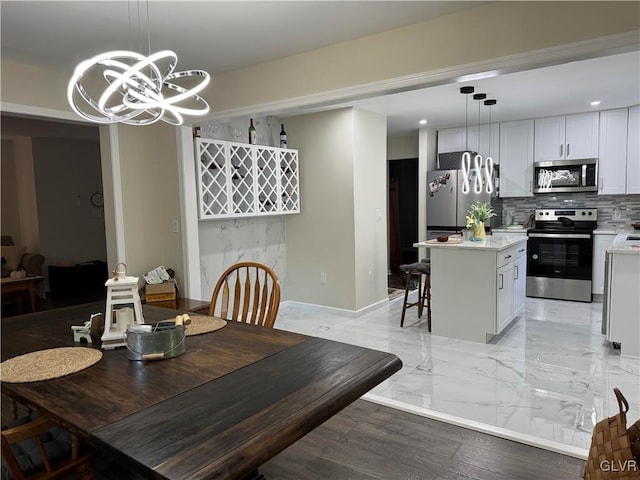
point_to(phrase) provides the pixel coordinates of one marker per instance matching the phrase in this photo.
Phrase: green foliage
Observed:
(479, 212)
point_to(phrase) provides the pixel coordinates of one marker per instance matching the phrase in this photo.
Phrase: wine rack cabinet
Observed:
(241, 180)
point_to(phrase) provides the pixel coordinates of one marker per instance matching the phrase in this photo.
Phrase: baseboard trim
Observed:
(339, 311)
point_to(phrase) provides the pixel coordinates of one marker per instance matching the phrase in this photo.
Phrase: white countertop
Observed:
(494, 242)
(620, 244)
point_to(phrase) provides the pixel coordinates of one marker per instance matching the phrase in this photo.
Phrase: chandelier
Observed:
(122, 86)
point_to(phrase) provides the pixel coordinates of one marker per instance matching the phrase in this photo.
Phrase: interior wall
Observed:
(370, 207)
(67, 173)
(150, 195)
(321, 238)
(402, 146)
(9, 214)
(489, 31)
(25, 201)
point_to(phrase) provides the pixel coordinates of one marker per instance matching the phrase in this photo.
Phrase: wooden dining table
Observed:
(234, 399)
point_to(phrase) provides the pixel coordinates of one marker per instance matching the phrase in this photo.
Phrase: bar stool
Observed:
(418, 269)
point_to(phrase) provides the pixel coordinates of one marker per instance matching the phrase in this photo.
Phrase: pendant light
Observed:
(122, 86)
(479, 163)
(466, 156)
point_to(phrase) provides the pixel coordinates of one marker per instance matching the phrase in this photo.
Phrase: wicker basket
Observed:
(615, 450)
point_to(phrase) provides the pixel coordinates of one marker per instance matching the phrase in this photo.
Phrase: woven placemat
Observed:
(48, 364)
(204, 324)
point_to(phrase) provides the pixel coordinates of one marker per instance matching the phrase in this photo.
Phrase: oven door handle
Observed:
(560, 235)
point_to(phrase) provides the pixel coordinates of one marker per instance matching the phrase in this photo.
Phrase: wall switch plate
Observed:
(323, 277)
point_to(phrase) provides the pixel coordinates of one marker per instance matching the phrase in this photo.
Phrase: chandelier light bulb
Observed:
(136, 89)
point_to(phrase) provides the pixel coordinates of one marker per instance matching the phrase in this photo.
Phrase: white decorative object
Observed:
(121, 290)
(128, 87)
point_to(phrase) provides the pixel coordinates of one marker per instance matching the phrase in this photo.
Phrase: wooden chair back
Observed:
(52, 467)
(247, 292)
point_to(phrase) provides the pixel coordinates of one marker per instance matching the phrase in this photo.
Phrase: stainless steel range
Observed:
(560, 254)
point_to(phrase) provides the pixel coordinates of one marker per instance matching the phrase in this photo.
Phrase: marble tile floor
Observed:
(545, 382)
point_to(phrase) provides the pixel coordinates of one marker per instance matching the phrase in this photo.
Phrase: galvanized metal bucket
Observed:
(163, 341)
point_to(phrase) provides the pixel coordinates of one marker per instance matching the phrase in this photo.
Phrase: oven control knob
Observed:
(583, 213)
(534, 256)
(590, 213)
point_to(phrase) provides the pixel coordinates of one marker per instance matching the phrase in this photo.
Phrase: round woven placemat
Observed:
(204, 324)
(48, 364)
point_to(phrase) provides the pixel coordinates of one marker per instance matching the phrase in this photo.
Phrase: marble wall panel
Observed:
(255, 239)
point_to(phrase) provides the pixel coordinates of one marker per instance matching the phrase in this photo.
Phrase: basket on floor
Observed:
(615, 449)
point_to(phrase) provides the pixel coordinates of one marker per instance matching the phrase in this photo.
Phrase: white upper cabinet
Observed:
(516, 159)
(485, 139)
(633, 150)
(567, 137)
(452, 140)
(612, 165)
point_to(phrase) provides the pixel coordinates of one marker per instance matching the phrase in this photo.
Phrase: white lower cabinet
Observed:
(504, 296)
(600, 244)
(511, 285)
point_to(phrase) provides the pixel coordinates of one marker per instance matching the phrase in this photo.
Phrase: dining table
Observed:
(234, 399)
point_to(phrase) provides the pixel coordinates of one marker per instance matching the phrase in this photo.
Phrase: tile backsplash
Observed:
(628, 206)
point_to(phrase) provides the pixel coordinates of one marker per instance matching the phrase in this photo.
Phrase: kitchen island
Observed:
(622, 300)
(477, 288)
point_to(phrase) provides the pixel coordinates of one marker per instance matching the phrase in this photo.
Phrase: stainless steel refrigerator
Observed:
(447, 206)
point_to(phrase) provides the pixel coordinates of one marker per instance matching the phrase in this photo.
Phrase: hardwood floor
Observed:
(368, 441)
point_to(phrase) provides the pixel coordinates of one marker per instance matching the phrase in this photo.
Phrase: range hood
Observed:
(452, 160)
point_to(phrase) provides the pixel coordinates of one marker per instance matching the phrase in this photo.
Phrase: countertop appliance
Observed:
(562, 176)
(447, 206)
(560, 254)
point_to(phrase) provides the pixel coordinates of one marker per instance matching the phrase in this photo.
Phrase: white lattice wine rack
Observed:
(241, 180)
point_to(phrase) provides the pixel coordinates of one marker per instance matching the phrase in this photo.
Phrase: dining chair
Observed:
(247, 292)
(36, 448)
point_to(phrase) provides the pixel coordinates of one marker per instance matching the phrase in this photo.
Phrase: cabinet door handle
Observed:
(507, 257)
(516, 272)
(568, 146)
(501, 281)
(521, 250)
(561, 145)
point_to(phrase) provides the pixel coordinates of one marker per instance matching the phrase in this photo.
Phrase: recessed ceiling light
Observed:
(422, 122)
(595, 103)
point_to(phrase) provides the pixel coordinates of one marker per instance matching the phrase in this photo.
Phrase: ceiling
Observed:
(224, 35)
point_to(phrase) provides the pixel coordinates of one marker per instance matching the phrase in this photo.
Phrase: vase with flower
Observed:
(479, 213)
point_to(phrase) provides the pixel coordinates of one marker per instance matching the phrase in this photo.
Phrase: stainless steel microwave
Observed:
(562, 176)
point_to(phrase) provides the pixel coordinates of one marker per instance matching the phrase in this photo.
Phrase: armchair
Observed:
(29, 262)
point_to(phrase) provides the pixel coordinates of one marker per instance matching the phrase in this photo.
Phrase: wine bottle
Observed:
(252, 132)
(283, 137)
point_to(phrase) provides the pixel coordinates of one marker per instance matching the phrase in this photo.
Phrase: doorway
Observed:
(403, 216)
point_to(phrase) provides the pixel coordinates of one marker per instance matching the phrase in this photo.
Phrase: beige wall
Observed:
(321, 238)
(9, 216)
(486, 32)
(400, 147)
(338, 232)
(370, 207)
(149, 175)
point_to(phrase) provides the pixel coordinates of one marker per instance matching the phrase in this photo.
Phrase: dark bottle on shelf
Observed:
(252, 132)
(283, 137)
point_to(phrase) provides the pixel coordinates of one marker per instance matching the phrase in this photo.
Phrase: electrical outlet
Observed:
(174, 226)
(370, 276)
(323, 277)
